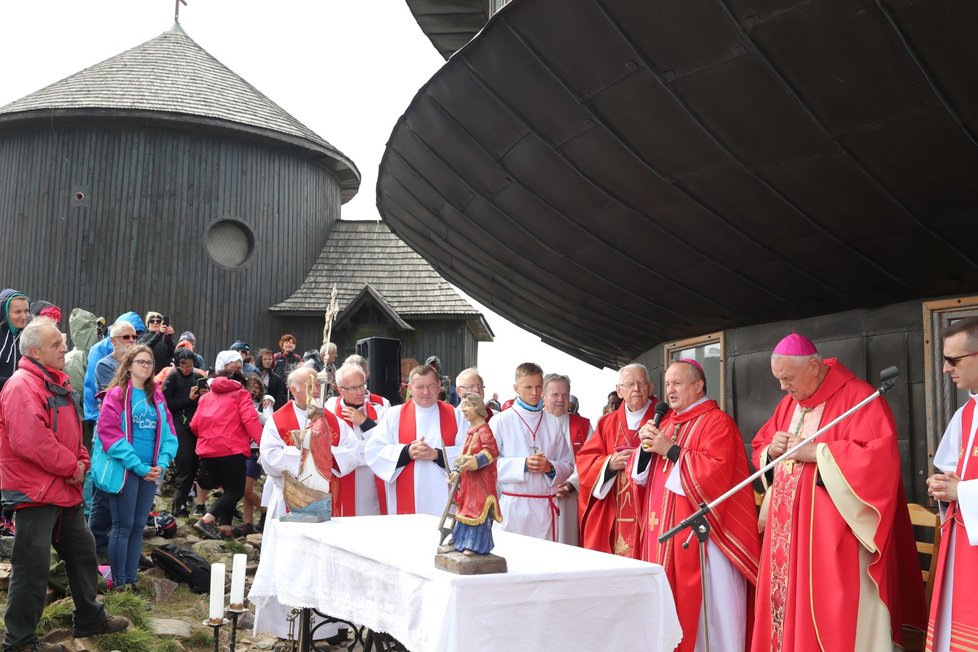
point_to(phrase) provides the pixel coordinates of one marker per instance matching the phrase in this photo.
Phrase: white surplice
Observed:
(383, 449)
(946, 460)
(526, 499)
(276, 456)
(367, 503)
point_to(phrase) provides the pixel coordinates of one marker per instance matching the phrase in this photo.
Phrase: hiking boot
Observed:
(200, 510)
(207, 530)
(245, 530)
(111, 625)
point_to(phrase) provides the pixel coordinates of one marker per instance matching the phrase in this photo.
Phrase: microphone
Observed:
(888, 378)
(660, 411)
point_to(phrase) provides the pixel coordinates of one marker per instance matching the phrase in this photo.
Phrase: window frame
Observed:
(701, 340)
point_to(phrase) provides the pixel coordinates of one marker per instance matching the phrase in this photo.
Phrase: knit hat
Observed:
(187, 336)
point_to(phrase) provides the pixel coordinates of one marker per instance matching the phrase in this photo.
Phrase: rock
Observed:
(4, 576)
(254, 539)
(246, 621)
(169, 627)
(162, 589)
(155, 540)
(266, 644)
(212, 551)
(6, 547)
(80, 645)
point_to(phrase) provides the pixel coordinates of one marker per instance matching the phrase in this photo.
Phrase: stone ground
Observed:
(176, 612)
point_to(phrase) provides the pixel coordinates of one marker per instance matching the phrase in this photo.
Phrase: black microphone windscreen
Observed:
(660, 411)
(889, 374)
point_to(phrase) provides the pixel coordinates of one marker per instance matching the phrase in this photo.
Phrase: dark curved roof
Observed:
(611, 175)
(171, 78)
(449, 24)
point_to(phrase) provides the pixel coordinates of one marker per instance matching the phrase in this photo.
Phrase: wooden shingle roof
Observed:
(365, 258)
(171, 78)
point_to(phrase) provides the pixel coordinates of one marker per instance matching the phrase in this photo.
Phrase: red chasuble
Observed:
(579, 428)
(711, 461)
(348, 483)
(611, 524)
(325, 435)
(407, 432)
(808, 585)
(964, 608)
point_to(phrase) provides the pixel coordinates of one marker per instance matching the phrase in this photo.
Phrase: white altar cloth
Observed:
(379, 571)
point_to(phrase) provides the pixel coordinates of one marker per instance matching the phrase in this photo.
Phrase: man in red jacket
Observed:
(42, 465)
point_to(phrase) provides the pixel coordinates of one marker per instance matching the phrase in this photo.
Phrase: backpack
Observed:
(183, 566)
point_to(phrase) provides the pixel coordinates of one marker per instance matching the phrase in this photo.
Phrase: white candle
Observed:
(238, 580)
(216, 613)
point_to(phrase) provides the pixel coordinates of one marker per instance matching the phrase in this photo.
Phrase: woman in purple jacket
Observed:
(136, 430)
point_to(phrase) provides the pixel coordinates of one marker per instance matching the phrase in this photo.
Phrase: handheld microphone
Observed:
(660, 411)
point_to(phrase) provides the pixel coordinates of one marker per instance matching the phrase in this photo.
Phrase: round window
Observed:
(230, 243)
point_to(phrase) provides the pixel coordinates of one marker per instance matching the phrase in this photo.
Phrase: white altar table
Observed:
(379, 571)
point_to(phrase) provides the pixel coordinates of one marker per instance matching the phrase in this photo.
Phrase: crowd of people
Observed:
(153, 409)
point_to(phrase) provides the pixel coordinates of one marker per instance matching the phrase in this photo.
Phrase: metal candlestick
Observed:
(216, 626)
(235, 614)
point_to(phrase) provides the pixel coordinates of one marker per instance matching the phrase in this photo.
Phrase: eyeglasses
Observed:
(143, 363)
(473, 388)
(128, 338)
(953, 360)
(155, 320)
(631, 386)
(353, 388)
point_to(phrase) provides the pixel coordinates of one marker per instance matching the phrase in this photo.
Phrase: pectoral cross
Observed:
(653, 522)
(975, 454)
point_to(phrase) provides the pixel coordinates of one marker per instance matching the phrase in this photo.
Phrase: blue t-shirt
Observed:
(144, 418)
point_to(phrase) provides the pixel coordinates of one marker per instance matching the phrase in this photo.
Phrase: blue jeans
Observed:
(100, 520)
(129, 508)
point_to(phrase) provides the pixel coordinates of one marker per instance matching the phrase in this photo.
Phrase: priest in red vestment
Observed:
(953, 622)
(839, 569)
(694, 456)
(609, 513)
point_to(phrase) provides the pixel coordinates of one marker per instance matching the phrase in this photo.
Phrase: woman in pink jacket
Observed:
(225, 424)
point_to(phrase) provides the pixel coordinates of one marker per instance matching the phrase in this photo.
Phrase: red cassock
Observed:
(712, 460)
(610, 524)
(808, 589)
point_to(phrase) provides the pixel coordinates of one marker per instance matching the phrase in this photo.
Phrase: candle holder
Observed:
(216, 625)
(234, 611)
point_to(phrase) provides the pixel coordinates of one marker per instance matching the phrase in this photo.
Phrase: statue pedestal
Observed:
(462, 564)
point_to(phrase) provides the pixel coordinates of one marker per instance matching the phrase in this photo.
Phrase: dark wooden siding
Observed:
(137, 240)
(865, 341)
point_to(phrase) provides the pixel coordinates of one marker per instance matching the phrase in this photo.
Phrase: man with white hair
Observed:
(469, 380)
(359, 492)
(838, 569)
(609, 515)
(327, 353)
(123, 336)
(361, 362)
(576, 430)
(279, 452)
(414, 446)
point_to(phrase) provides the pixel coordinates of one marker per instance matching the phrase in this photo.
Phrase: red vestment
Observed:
(711, 461)
(808, 588)
(476, 495)
(348, 483)
(610, 524)
(963, 618)
(579, 428)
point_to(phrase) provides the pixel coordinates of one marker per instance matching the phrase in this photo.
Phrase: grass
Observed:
(234, 546)
(56, 615)
(200, 638)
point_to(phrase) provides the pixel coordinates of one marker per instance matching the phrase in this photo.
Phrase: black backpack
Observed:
(183, 566)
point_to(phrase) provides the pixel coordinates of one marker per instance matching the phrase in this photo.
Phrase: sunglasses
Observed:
(155, 321)
(128, 338)
(953, 360)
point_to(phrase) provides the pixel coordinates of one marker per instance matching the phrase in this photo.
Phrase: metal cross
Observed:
(176, 9)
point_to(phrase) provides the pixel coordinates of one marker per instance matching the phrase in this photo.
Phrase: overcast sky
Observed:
(345, 68)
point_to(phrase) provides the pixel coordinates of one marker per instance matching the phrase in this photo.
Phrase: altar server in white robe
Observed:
(534, 459)
(953, 617)
(577, 430)
(278, 453)
(408, 448)
(359, 491)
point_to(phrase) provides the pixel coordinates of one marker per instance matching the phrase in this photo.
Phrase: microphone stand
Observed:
(700, 527)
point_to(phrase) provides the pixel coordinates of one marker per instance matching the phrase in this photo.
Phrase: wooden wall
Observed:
(136, 241)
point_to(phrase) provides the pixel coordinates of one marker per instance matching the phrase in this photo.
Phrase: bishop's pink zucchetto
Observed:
(795, 344)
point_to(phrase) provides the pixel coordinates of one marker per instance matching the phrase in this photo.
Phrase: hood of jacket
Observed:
(6, 296)
(224, 385)
(134, 319)
(83, 329)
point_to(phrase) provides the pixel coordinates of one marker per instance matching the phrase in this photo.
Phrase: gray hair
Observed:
(798, 358)
(358, 360)
(32, 336)
(556, 378)
(114, 329)
(325, 350)
(468, 372)
(348, 368)
(634, 365)
(298, 376)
